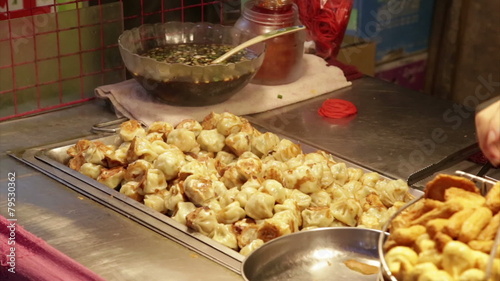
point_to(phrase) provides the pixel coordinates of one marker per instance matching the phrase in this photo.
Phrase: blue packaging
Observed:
(398, 27)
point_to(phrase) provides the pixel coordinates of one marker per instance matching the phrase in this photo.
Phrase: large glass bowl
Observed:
(182, 84)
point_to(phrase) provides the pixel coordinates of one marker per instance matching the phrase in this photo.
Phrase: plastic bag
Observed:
(326, 22)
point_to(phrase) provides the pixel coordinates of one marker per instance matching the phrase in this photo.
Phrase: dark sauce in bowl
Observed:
(196, 54)
(215, 86)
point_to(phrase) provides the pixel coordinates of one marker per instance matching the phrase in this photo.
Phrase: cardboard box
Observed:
(408, 72)
(358, 52)
(399, 27)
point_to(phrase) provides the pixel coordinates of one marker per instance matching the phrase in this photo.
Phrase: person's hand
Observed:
(488, 132)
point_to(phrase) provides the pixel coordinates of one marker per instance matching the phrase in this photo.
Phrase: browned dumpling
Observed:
(140, 148)
(231, 213)
(91, 170)
(182, 210)
(160, 127)
(191, 125)
(264, 143)
(228, 123)
(136, 171)
(286, 150)
(154, 181)
(260, 206)
(131, 129)
(211, 140)
(224, 234)
(111, 177)
(184, 139)
(203, 220)
(238, 143)
(198, 189)
(133, 190)
(317, 216)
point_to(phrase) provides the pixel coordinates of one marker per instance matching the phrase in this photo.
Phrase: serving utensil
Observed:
(257, 39)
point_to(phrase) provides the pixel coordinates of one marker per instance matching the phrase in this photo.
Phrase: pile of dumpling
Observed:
(235, 184)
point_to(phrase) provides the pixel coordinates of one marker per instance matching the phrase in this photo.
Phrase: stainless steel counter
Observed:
(395, 132)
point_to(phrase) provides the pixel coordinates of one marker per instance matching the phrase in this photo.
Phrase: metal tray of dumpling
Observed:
(53, 160)
(340, 253)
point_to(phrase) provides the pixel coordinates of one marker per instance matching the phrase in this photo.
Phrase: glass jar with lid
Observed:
(283, 60)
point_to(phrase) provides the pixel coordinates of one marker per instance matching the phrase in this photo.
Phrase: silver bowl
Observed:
(318, 254)
(182, 84)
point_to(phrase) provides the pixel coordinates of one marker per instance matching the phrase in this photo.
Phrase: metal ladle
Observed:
(257, 39)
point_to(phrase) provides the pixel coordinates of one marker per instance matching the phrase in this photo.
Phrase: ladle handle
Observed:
(257, 39)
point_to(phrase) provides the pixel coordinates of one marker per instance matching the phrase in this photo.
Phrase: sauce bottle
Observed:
(283, 59)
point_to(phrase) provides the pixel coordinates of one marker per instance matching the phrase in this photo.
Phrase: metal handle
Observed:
(101, 127)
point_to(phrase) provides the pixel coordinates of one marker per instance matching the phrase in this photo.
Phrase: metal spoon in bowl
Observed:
(257, 39)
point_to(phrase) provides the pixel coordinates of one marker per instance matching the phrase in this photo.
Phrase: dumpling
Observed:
(79, 147)
(222, 160)
(249, 167)
(111, 177)
(231, 213)
(306, 178)
(286, 150)
(290, 205)
(238, 143)
(91, 170)
(184, 139)
(194, 167)
(395, 190)
(275, 189)
(232, 177)
(346, 211)
(301, 199)
(354, 174)
(229, 196)
(260, 206)
(182, 210)
(252, 246)
(137, 170)
(170, 162)
(246, 231)
(152, 137)
(154, 181)
(198, 189)
(140, 148)
(159, 146)
(156, 201)
(210, 121)
(131, 129)
(133, 190)
(370, 179)
(224, 234)
(339, 173)
(211, 140)
(118, 157)
(203, 220)
(264, 143)
(176, 196)
(191, 125)
(320, 198)
(95, 153)
(245, 193)
(273, 169)
(160, 127)
(280, 224)
(317, 216)
(228, 123)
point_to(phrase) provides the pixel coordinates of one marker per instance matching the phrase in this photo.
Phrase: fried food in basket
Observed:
(223, 178)
(447, 235)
